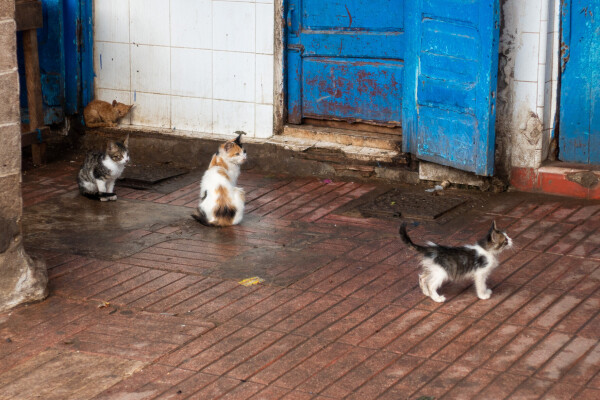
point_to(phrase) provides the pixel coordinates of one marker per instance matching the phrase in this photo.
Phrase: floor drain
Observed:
(146, 176)
(398, 203)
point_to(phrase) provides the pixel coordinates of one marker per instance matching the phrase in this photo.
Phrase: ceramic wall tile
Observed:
(234, 76)
(265, 18)
(111, 65)
(234, 26)
(264, 121)
(231, 116)
(151, 110)
(526, 58)
(191, 114)
(150, 69)
(150, 22)
(111, 21)
(191, 23)
(191, 72)
(264, 79)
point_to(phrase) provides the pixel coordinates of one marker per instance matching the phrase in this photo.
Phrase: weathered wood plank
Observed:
(28, 15)
(34, 91)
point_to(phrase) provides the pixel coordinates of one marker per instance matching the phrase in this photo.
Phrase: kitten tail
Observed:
(199, 216)
(408, 241)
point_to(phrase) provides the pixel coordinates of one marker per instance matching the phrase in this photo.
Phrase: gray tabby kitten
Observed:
(100, 170)
(442, 263)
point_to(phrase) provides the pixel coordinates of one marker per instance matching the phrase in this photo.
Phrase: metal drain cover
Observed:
(398, 203)
(146, 176)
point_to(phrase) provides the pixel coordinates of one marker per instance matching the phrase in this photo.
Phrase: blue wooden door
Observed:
(344, 60)
(579, 134)
(65, 54)
(450, 82)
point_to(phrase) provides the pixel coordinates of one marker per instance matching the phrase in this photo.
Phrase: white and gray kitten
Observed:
(100, 171)
(444, 263)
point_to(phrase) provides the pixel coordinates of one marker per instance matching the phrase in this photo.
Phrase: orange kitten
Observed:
(99, 113)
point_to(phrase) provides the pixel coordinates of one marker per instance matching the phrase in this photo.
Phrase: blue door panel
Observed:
(371, 15)
(52, 62)
(447, 96)
(352, 89)
(72, 70)
(455, 148)
(449, 39)
(450, 82)
(344, 60)
(579, 136)
(348, 44)
(434, 66)
(454, 10)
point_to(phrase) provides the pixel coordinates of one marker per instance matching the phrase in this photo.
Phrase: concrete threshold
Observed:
(298, 156)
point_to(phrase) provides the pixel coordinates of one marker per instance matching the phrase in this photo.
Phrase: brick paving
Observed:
(340, 314)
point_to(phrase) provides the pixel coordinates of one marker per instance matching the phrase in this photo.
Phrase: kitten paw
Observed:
(112, 198)
(485, 295)
(423, 285)
(438, 299)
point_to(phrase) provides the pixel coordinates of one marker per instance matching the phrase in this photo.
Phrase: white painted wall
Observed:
(528, 79)
(204, 66)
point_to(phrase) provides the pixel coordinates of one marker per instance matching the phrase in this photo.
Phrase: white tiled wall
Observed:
(532, 32)
(204, 66)
(539, 61)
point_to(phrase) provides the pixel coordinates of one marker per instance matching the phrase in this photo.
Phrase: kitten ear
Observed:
(114, 103)
(494, 227)
(496, 236)
(126, 141)
(228, 146)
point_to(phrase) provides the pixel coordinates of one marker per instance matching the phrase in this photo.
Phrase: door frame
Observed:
(279, 77)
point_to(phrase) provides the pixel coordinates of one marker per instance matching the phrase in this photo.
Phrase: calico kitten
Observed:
(99, 113)
(442, 263)
(100, 170)
(221, 202)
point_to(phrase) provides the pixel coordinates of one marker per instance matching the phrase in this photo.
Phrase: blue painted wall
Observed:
(579, 132)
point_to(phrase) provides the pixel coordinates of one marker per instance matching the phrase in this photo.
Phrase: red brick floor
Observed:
(340, 314)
